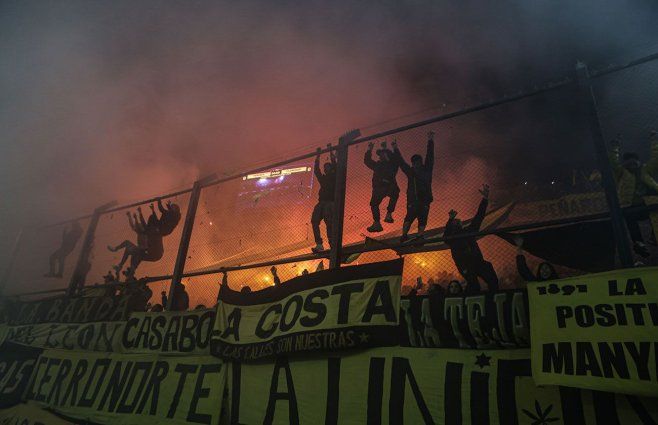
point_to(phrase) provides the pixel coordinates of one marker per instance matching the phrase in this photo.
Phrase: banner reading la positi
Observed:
(128, 389)
(401, 385)
(597, 331)
(338, 309)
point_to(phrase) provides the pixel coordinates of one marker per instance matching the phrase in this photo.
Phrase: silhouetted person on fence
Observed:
(545, 270)
(70, 238)
(419, 187)
(169, 218)
(384, 184)
(275, 276)
(634, 182)
(181, 301)
(324, 209)
(466, 251)
(149, 243)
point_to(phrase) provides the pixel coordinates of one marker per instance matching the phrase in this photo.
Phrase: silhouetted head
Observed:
(328, 167)
(416, 161)
(157, 308)
(454, 287)
(384, 154)
(245, 290)
(546, 271)
(631, 161)
(174, 207)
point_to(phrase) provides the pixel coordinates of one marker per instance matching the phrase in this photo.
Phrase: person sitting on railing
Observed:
(634, 182)
(419, 186)
(384, 184)
(466, 252)
(545, 270)
(324, 209)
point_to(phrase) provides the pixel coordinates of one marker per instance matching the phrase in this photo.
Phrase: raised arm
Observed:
(142, 222)
(406, 168)
(429, 156)
(332, 154)
(130, 221)
(367, 157)
(476, 222)
(316, 166)
(161, 207)
(523, 269)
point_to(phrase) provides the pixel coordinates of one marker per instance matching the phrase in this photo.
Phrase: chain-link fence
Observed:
(536, 151)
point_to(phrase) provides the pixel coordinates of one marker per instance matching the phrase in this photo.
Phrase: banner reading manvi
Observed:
(597, 331)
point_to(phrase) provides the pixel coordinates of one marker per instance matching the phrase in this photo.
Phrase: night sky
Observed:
(124, 100)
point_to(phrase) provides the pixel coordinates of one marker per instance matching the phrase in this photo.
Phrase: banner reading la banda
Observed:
(338, 309)
(597, 331)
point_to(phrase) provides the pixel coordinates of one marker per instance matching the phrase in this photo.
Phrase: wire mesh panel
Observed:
(259, 218)
(628, 111)
(46, 257)
(536, 156)
(115, 240)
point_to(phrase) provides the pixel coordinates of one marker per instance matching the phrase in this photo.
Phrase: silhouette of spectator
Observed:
(245, 290)
(157, 308)
(324, 209)
(275, 276)
(384, 184)
(545, 270)
(181, 301)
(455, 288)
(169, 218)
(149, 246)
(163, 297)
(70, 239)
(465, 250)
(634, 182)
(419, 186)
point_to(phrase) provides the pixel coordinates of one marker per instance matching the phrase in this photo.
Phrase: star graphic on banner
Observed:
(364, 337)
(483, 360)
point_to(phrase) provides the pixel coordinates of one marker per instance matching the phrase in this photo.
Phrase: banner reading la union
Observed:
(597, 331)
(338, 309)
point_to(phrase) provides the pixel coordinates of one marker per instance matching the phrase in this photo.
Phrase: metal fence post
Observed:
(339, 197)
(186, 235)
(83, 265)
(619, 230)
(12, 260)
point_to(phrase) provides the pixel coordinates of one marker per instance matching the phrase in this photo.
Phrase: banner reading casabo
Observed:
(597, 331)
(345, 308)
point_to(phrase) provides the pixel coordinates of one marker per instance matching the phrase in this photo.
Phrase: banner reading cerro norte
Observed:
(345, 308)
(597, 331)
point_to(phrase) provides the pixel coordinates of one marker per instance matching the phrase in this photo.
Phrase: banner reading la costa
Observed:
(346, 308)
(597, 331)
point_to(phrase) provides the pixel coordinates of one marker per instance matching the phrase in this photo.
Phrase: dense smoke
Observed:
(123, 100)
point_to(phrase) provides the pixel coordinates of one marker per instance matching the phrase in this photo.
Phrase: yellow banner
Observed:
(346, 308)
(597, 331)
(30, 414)
(414, 386)
(128, 389)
